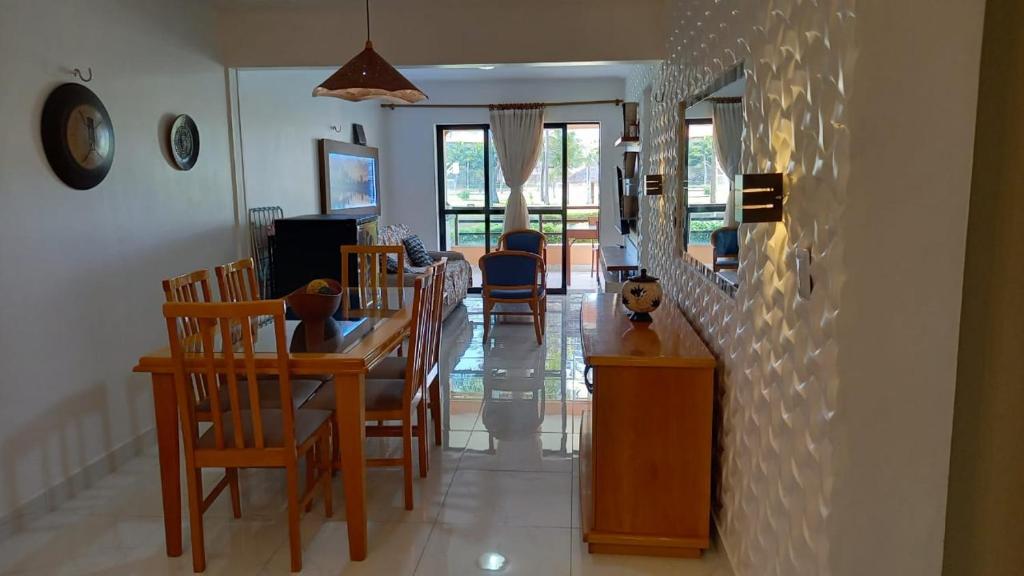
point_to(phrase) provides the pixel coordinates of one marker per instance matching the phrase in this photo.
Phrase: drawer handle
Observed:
(586, 378)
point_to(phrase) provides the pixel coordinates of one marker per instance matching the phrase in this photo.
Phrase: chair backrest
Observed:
(524, 241)
(510, 270)
(190, 288)
(206, 354)
(434, 346)
(371, 266)
(236, 281)
(725, 241)
(419, 333)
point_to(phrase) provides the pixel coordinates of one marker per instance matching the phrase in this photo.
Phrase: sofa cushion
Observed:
(417, 252)
(392, 266)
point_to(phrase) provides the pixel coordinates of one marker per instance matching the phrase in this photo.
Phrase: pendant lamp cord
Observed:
(367, 20)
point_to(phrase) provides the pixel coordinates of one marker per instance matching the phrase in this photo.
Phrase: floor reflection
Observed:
(520, 400)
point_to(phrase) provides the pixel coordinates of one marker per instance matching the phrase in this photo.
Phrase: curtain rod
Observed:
(617, 102)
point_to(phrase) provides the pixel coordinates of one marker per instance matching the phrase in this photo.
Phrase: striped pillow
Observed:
(417, 252)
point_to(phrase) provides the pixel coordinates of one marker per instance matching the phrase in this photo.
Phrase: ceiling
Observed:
(552, 71)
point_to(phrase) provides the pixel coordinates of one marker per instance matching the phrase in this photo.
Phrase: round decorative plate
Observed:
(78, 137)
(184, 142)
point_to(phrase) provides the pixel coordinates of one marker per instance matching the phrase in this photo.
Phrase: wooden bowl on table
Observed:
(315, 304)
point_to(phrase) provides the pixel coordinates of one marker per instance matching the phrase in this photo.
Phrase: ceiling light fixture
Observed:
(369, 76)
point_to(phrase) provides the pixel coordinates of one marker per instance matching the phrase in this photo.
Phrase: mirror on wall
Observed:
(712, 125)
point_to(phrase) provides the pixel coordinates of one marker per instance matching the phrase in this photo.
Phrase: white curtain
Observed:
(728, 119)
(518, 140)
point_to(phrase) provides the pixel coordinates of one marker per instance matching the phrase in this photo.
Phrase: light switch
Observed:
(805, 284)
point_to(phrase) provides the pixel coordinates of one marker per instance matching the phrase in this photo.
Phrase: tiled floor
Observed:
(503, 483)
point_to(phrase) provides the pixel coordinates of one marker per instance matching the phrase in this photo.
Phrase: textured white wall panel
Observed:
(778, 382)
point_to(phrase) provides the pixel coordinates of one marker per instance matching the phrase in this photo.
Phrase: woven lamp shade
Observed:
(369, 76)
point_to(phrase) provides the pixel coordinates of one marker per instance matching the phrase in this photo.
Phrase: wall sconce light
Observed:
(652, 185)
(759, 198)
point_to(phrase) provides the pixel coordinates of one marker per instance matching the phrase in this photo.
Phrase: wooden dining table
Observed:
(375, 338)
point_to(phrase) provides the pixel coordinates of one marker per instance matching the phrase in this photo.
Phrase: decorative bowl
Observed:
(641, 295)
(314, 307)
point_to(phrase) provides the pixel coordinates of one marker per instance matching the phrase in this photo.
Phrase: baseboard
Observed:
(725, 546)
(63, 491)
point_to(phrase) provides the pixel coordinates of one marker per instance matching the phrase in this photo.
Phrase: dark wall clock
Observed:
(78, 137)
(184, 142)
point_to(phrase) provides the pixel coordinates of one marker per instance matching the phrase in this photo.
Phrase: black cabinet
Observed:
(305, 248)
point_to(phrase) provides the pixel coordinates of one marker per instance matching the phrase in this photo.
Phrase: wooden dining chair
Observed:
(390, 400)
(192, 287)
(244, 434)
(393, 367)
(514, 277)
(236, 282)
(369, 265)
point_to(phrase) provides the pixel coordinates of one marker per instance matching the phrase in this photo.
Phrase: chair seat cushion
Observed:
(390, 368)
(727, 261)
(513, 294)
(307, 422)
(381, 396)
(270, 394)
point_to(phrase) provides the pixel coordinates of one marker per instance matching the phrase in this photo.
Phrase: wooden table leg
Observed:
(165, 405)
(350, 412)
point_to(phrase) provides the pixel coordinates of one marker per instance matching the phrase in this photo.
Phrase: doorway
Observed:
(562, 196)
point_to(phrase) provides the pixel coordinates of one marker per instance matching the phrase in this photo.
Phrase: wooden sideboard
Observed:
(645, 443)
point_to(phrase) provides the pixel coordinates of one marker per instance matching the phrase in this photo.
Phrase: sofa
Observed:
(458, 274)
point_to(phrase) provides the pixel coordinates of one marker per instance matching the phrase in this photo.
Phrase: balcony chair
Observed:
(514, 277)
(726, 246)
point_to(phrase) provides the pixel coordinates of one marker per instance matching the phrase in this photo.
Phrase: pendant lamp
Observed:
(369, 76)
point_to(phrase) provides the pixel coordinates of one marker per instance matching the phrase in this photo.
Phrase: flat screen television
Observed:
(349, 179)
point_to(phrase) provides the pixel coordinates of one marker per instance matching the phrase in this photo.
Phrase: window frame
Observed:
(689, 209)
(488, 210)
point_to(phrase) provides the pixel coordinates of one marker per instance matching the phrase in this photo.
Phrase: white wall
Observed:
(912, 114)
(280, 123)
(836, 409)
(410, 185)
(80, 271)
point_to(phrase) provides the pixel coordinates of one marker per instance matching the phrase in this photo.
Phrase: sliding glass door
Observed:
(472, 191)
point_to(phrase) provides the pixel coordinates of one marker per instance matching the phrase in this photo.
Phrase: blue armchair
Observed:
(525, 241)
(726, 245)
(514, 277)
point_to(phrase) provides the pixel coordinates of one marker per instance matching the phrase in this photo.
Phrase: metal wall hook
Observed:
(77, 72)
(336, 128)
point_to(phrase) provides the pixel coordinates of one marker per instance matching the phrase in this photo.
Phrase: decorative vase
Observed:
(641, 295)
(314, 304)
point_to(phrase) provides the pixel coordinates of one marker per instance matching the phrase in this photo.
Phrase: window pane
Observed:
(584, 144)
(702, 224)
(706, 182)
(464, 168)
(544, 187)
(465, 234)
